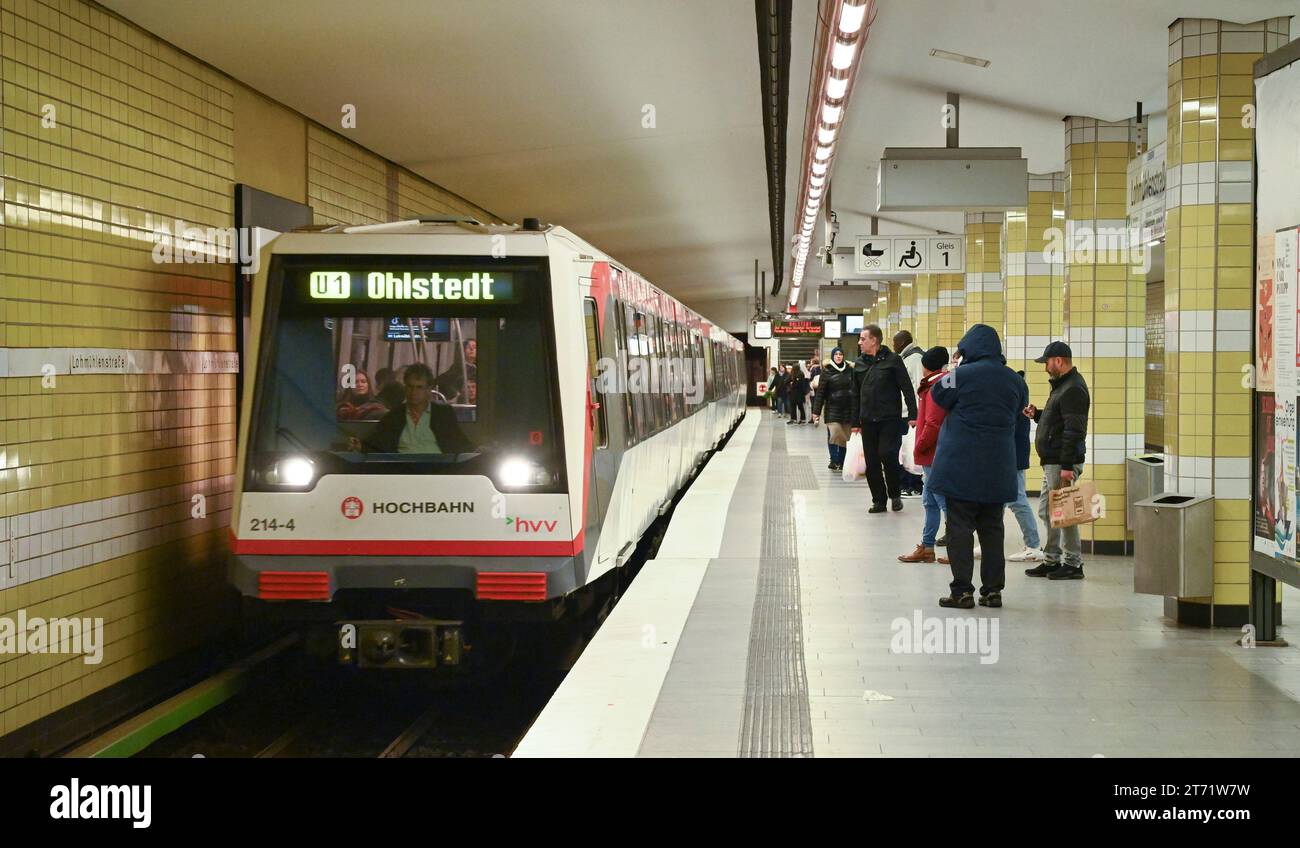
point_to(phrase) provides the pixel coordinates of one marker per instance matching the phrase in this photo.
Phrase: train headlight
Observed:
(516, 471)
(291, 471)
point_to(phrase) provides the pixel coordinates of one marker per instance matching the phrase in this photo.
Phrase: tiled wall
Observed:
(104, 456)
(1209, 277)
(950, 296)
(927, 311)
(1034, 288)
(1105, 307)
(983, 303)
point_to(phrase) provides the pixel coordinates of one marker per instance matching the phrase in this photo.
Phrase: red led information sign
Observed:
(797, 328)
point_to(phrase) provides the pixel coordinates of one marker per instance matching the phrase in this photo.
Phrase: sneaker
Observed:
(992, 599)
(788, 423)
(837, 468)
(911, 494)
(1027, 555)
(942, 541)
(1046, 569)
(1067, 572)
(875, 508)
(831, 466)
(921, 554)
(897, 504)
(966, 601)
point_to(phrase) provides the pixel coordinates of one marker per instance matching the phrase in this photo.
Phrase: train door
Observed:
(600, 471)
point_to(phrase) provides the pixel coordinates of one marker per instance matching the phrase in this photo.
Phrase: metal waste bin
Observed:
(1145, 474)
(1174, 546)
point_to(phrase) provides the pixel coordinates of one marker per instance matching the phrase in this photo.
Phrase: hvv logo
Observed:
(525, 525)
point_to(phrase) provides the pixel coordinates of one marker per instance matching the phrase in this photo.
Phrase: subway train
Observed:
(447, 427)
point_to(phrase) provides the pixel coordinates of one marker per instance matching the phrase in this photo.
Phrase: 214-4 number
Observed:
(257, 524)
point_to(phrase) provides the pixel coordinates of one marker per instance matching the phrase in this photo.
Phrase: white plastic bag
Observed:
(855, 461)
(906, 454)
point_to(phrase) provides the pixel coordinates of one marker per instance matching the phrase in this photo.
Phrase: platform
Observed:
(775, 618)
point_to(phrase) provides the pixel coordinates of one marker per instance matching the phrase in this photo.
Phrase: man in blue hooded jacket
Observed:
(975, 462)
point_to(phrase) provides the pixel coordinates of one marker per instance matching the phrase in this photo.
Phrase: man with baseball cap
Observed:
(1062, 428)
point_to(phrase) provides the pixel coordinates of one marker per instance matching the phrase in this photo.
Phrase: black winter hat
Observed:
(935, 358)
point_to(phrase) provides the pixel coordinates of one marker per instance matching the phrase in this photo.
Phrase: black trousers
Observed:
(798, 408)
(881, 441)
(966, 518)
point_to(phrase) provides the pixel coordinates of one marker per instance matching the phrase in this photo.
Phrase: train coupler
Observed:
(401, 643)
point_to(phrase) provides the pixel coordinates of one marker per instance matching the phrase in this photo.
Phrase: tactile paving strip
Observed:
(777, 718)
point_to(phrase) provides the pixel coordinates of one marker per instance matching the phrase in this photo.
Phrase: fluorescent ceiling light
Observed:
(959, 57)
(831, 114)
(836, 87)
(825, 135)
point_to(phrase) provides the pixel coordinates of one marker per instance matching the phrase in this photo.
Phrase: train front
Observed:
(400, 462)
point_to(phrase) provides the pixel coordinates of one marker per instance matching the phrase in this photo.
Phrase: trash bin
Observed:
(1174, 546)
(1145, 474)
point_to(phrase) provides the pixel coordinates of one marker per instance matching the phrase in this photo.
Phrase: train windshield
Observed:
(408, 365)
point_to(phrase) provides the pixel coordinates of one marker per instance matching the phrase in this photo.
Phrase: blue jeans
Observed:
(934, 505)
(1025, 516)
(1063, 545)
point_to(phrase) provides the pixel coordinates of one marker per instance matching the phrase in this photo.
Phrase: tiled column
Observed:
(1208, 290)
(1104, 305)
(1034, 288)
(880, 309)
(984, 269)
(951, 294)
(927, 311)
(907, 309)
(893, 311)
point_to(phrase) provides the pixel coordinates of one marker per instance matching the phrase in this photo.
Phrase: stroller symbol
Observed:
(867, 250)
(910, 259)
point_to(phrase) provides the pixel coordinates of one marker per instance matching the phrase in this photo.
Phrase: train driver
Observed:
(417, 425)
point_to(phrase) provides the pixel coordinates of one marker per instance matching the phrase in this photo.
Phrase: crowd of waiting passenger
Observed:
(963, 421)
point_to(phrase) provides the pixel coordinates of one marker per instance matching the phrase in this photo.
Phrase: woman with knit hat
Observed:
(929, 418)
(834, 403)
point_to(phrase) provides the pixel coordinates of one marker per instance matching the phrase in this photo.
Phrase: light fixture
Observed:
(851, 18)
(819, 168)
(825, 135)
(831, 114)
(959, 57)
(293, 471)
(516, 471)
(842, 55)
(836, 87)
(817, 182)
(822, 152)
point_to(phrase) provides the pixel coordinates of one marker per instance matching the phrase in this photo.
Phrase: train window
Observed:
(599, 438)
(635, 399)
(708, 369)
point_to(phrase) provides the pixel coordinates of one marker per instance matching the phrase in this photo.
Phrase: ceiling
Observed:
(535, 107)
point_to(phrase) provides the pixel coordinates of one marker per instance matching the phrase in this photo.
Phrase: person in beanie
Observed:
(834, 404)
(1062, 428)
(882, 389)
(929, 419)
(974, 465)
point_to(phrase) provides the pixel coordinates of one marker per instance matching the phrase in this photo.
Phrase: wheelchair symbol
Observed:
(910, 259)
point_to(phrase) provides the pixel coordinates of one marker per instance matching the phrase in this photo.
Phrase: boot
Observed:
(921, 554)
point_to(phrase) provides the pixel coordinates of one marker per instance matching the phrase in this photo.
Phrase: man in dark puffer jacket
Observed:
(882, 387)
(1062, 428)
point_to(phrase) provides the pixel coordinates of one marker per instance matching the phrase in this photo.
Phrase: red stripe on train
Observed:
(403, 547)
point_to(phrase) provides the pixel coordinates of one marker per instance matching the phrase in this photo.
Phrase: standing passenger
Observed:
(975, 463)
(834, 403)
(929, 420)
(883, 387)
(910, 352)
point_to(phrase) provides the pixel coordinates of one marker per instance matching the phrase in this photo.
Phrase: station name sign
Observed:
(407, 286)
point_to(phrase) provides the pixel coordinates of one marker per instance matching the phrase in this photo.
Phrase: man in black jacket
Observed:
(882, 384)
(417, 425)
(1062, 428)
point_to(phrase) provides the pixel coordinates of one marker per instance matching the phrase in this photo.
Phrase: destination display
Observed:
(796, 328)
(421, 286)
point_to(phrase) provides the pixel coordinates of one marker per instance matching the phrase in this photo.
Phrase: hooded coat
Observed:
(976, 456)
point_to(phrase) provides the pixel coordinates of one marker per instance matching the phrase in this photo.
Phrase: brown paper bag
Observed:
(1077, 504)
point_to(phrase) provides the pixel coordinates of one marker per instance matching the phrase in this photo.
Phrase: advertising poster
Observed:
(1284, 411)
(1266, 476)
(1264, 313)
